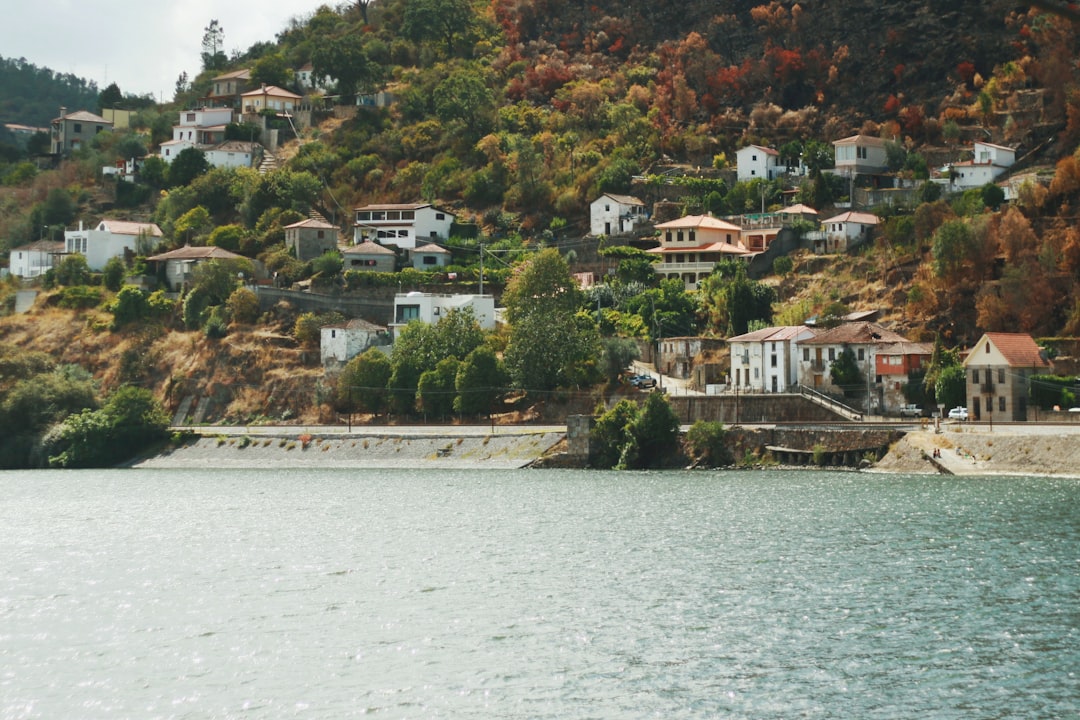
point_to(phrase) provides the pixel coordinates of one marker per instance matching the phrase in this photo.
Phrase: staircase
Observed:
(830, 404)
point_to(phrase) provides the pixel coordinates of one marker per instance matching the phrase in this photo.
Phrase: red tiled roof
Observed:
(1019, 349)
(699, 221)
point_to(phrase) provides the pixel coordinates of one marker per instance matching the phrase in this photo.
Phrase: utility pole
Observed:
(481, 268)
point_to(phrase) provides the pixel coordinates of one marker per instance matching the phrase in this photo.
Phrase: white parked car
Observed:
(958, 413)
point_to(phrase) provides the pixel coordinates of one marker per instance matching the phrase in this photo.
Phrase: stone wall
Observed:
(756, 408)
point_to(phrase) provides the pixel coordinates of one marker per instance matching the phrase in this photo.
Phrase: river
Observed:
(537, 594)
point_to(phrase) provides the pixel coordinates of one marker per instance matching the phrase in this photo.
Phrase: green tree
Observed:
(437, 21)
(344, 58)
(243, 306)
(845, 373)
(708, 444)
(481, 381)
(112, 275)
(72, 270)
(271, 69)
(226, 237)
(110, 97)
(619, 353)
(435, 391)
(363, 382)
(188, 164)
(213, 42)
(59, 208)
(950, 388)
(952, 245)
(130, 421)
(130, 305)
(656, 432)
(612, 432)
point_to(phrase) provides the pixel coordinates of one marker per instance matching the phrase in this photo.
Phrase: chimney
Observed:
(63, 111)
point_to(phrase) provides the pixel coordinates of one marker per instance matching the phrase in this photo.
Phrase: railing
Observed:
(817, 366)
(825, 401)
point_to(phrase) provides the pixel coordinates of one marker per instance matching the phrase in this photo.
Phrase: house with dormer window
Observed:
(999, 368)
(402, 225)
(112, 238)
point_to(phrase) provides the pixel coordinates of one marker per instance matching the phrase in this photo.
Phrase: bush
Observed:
(79, 297)
(243, 306)
(783, 265)
(130, 421)
(707, 441)
(112, 275)
(130, 305)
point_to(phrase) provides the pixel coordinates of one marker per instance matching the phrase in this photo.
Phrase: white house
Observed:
(202, 129)
(340, 343)
(430, 307)
(402, 225)
(755, 162)
(34, 259)
(612, 214)
(430, 257)
(691, 246)
(234, 154)
(767, 360)
(860, 155)
(307, 80)
(988, 163)
(845, 231)
(112, 238)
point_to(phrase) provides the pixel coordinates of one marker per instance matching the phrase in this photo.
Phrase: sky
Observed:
(144, 45)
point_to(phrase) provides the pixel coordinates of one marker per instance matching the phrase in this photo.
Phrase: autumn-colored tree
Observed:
(1018, 240)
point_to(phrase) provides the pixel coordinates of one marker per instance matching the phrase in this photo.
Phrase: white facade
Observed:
(988, 163)
(341, 343)
(112, 238)
(860, 155)
(202, 128)
(233, 154)
(29, 261)
(767, 360)
(845, 231)
(612, 214)
(401, 225)
(756, 162)
(430, 308)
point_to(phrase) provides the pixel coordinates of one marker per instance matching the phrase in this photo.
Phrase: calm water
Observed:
(537, 594)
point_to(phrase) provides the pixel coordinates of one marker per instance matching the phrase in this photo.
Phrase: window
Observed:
(440, 216)
(862, 355)
(1001, 403)
(667, 236)
(1001, 376)
(407, 215)
(832, 354)
(693, 235)
(974, 377)
(363, 216)
(806, 354)
(987, 346)
(405, 313)
(773, 359)
(393, 214)
(322, 234)
(607, 208)
(428, 260)
(678, 236)
(77, 127)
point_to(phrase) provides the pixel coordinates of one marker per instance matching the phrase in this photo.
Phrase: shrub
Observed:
(130, 305)
(783, 265)
(112, 275)
(78, 297)
(707, 441)
(243, 306)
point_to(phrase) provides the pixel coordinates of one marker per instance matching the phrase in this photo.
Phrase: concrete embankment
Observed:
(499, 451)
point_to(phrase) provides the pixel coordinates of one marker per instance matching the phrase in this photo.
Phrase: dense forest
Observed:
(33, 96)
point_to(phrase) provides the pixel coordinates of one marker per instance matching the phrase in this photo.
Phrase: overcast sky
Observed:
(144, 45)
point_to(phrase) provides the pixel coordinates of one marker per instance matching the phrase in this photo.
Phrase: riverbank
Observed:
(367, 451)
(979, 450)
(962, 449)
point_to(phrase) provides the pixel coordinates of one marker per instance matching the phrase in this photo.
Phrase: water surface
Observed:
(537, 594)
